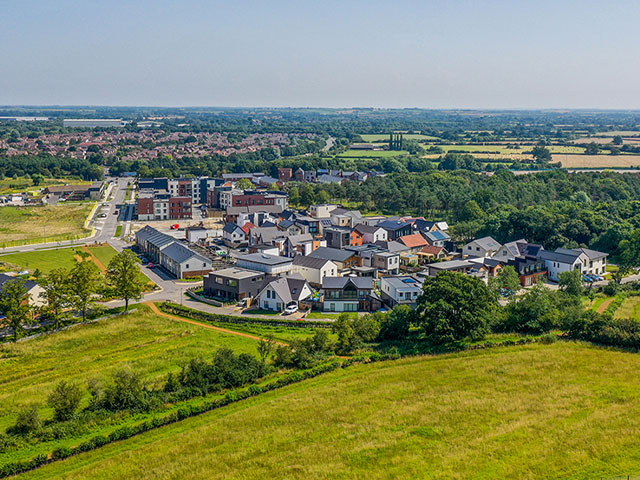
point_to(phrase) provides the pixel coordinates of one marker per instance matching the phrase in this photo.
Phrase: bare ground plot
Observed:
(597, 161)
(607, 140)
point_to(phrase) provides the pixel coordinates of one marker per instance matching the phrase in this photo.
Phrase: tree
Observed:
(343, 327)
(395, 324)
(65, 400)
(571, 282)
(471, 211)
(14, 304)
(37, 179)
(533, 312)
(84, 284)
(244, 184)
(454, 306)
(591, 149)
(507, 280)
(617, 140)
(265, 347)
(28, 421)
(122, 276)
(541, 154)
(56, 294)
(629, 249)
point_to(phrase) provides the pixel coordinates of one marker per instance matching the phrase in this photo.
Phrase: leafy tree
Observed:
(37, 179)
(122, 276)
(541, 154)
(84, 284)
(65, 400)
(28, 421)
(507, 279)
(244, 184)
(471, 211)
(126, 392)
(591, 149)
(56, 294)
(617, 140)
(395, 324)
(454, 306)
(14, 304)
(534, 312)
(629, 253)
(571, 282)
(265, 347)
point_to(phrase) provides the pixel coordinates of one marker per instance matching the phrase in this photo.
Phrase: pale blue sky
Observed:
(432, 54)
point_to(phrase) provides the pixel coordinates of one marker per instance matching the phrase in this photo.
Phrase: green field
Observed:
(384, 137)
(150, 344)
(43, 223)
(565, 410)
(372, 153)
(22, 184)
(43, 260)
(630, 308)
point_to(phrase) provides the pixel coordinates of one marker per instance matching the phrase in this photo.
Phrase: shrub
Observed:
(28, 421)
(65, 400)
(548, 338)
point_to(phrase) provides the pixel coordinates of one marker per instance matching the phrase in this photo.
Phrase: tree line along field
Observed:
(59, 222)
(22, 184)
(538, 411)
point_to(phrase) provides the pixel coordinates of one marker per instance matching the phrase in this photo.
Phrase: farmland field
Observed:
(520, 412)
(372, 153)
(51, 222)
(597, 161)
(22, 184)
(384, 137)
(150, 344)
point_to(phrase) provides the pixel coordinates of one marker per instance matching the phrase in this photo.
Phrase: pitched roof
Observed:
(289, 289)
(231, 227)
(363, 283)
(310, 262)
(4, 278)
(437, 236)
(180, 254)
(487, 243)
(593, 254)
(362, 228)
(247, 227)
(561, 255)
(392, 246)
(329, 253)
(393, 224)
(432, 250)
(298, 239)
(413, 241)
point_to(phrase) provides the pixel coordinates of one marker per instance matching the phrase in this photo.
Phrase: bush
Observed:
(125, 393)
(548, 338)
(65, 400)
(28, 421)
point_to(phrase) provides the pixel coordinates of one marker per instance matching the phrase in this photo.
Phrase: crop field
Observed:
(43, 222)
(520, 412)
(597, 161)
(372, 153)
(150, 344)
(382, 137)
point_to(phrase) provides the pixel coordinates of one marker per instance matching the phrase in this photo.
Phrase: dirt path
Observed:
(603, 306)
(155, 310)
(95, 259)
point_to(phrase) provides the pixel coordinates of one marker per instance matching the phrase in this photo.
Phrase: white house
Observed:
(33, 290)
(261, 262)
(371, 233)
(233, 235)
(403, 290)
(481, 247)
(184, 262)
(279, 293)
(565, 260)
(313, 270)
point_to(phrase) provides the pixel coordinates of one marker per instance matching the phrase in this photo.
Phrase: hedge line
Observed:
(175, 309)
(186, 411)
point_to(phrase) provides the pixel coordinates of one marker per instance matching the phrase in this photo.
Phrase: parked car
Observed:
(175, 226)
(291, 308)
(116, 212)
(102, 215)
(151, 265)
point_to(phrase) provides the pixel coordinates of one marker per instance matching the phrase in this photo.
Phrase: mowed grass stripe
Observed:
(556, 411)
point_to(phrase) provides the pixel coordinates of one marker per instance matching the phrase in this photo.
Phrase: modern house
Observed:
(582, 259)
(386, 262)
(183, 262)
(344, 259)
(233, 283)
(281, 292)
(460, 266)
(314, 269)
(337, 237)
(33, 290)
(437, 238)
(481, 247)
(261, 262)
(414, 242)
(371, 233)
(233, 235)
(403, 290)
(349, 294)
(396, 228)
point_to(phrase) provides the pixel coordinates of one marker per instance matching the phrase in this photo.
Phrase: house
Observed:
(431, 252)
(530, 269)
(355, 238)
(345, 218)
(262, 262)
(349, 294)
(290, 227)
(486, 267)
(564, 260)
(403, 290)
(314, 269)
(344, 259)
(437, 238)
(183, 262)
(195, 234)
(422, 225)
(386, 262)
(392, 246)
(460, 266)
(150, 242)
(281, 292)
(371, 233)
(233, 284)
(481, 247)
(322, 210)
(33, 290)
(414, 242)
(233, 235)
(396, 228)
(265, 235)
(325, 178)
(285, 174)
(337, 237)
(300, 245)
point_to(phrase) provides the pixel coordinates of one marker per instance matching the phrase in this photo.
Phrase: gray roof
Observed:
(341, 282)
(151, 235)
(254, 208)
(593, 254)
(329, 253)
(4, 278)
(362, 228)
(487, 243)
(268, 234)
(393, 246)
(393, 225)
(403, 282)
(289, 289)
(436, 236)
(302, 238)
(329, 179)
(451, 264)
(237, 273)
(231, 227)
(310, 262)
(265, 259)
(180, 254)
(561, 255)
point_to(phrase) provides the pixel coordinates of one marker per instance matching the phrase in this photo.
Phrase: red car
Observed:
(151, 265)
(175, 226)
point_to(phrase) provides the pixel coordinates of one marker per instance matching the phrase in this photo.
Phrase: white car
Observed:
(292, 308)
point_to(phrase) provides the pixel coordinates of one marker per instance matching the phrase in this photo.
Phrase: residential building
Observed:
(414, 242)
(281, 292)
(582, 259)
(386, 262)
(322, 210)
(34, 290)
(437, 238)
(261, 262)
(349, 294)
(396, 228)
(371, 233)
(303, 244)
(285, 174)
(403, 290)
(314, 269)
(233, 283)
(460, 266)
(183, 262)
(233, 235)
(481, 247)
(337, 237)
(344, 259)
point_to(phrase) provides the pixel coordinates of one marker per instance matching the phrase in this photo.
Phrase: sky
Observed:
(272, 53)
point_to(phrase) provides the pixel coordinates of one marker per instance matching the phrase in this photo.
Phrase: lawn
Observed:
(565, 410)
(43, 260)
(148, 343)
(43, 223)
(321, 315)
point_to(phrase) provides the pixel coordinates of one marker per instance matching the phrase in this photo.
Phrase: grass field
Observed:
(47, 260)
(150, 344)
(22, 184)
(382, 137)
(565, 410)
(597, 161)
(50, 222)
(630, 308)
(372, 153)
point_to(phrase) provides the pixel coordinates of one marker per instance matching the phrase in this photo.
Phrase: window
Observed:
(187, 265)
